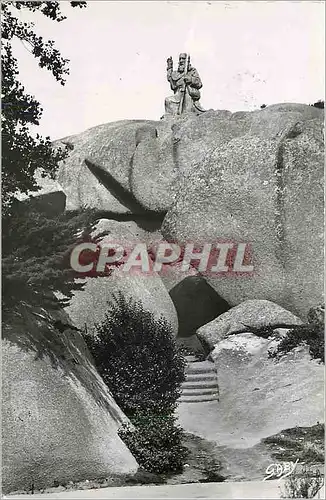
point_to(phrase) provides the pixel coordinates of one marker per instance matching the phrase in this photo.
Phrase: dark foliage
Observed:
(23, 153)
(311, 335)
(36, 251)
(304, 484)
(156, 442)
(264, 331)
(34, 245)
(137, 357)
(319, 104)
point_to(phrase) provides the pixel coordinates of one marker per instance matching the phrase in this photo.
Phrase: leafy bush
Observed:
(156, 442)
(319, 104)
(138, 359)
(303, 485)
(311, 335)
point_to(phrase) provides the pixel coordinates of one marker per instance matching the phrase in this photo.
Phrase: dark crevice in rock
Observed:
(176, 138)
(196, 303)
(175, 157)
(289, 134)
(279, 222)
(150, 221)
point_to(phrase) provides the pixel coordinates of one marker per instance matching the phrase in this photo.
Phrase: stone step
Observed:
(199, 384)
(200, 368)
(191, 358)
(199, 392)
(201, 377)
(202, 364)
(198, 399)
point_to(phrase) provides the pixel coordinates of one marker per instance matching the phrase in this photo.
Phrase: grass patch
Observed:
(303, 443)
(202, 459)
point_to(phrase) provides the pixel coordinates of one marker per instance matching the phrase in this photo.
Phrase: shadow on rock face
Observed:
(65, 351)
(60, 421)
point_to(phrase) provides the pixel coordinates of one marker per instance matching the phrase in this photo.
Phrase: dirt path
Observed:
(254, 489)
(258, 398)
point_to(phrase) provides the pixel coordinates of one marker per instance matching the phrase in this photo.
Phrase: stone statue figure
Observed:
(185, 83)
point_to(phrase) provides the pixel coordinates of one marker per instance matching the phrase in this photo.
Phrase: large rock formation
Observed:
(89, 306)
(259, 396)
(60, 421)
(248, 314)
(254, 176)
(110, 168)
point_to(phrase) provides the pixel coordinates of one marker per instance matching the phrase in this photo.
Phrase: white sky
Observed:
(247, 54)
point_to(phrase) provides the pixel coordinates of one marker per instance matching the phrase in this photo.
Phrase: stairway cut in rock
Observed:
(201, 382)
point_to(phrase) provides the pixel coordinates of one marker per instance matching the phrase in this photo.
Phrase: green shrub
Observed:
(156, 442)
(138, 358)
(311, 335)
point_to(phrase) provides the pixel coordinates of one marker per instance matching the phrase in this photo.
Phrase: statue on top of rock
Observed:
(185, 83)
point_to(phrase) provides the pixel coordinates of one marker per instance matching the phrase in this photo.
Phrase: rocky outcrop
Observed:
(259, 396)
(89, 306)
(248, 314)
(196, 304)
(60, 421)
(256, 177)
(265, 395)
(119, 167)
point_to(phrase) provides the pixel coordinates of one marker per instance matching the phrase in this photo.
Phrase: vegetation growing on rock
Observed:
(23, 152)
(36, 251)
(34, 244)
(304, 443)
(138, 359)
(311, 334)
(305, 484)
